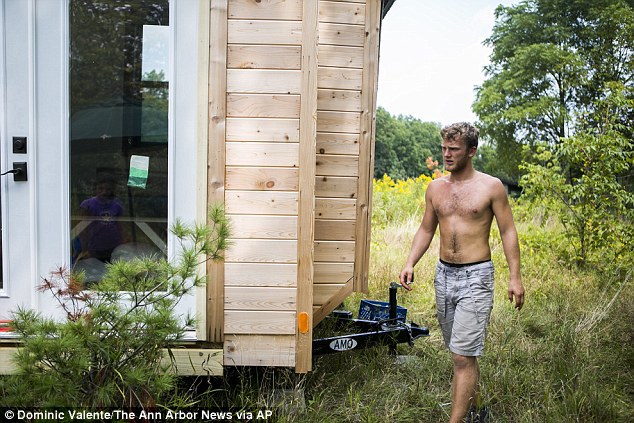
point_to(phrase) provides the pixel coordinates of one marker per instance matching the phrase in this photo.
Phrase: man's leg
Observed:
(464, 386)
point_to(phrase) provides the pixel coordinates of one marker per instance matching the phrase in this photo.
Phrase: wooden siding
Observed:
(263, 57)
(266, 9)
(265, 130)
(260, 350)
(348, 53)
(267, 178)
(216, 156)
(291, 125)
(260, 274)
(366, 141)
(308, 136)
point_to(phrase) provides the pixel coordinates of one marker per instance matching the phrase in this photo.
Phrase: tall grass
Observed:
(565, 357)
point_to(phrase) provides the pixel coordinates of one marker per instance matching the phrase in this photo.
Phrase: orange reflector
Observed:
(302, 322)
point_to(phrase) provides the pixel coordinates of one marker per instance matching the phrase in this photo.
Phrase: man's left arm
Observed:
(508, 233)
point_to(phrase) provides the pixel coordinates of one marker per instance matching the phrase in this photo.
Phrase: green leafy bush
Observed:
(109, 350)
(583, 181)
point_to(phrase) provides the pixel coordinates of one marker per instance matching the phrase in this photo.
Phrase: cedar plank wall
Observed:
(346, 102)
(253, 297)
(264, 81)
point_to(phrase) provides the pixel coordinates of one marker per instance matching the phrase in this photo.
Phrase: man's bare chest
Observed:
(465, 202)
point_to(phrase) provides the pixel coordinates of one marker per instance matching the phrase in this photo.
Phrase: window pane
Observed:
(119, 90)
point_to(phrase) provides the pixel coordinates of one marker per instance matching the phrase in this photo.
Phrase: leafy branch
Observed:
(108, 350)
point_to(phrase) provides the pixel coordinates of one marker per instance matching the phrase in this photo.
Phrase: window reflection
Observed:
(119, 87)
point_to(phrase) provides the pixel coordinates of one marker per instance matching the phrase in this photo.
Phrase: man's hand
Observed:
(516, 290)
(407, 277)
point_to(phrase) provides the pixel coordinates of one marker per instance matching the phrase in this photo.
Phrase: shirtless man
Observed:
(463, 205)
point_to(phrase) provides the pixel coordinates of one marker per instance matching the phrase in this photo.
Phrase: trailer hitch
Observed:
(370, 332)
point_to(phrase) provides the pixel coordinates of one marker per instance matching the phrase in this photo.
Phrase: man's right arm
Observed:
(421, 241)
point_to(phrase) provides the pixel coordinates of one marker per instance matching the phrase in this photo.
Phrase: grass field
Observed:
(566, 357)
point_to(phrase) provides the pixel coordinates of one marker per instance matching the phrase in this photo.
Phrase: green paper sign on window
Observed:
(139, 166)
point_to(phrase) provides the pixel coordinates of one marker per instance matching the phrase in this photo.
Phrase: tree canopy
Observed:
(590, 194)
(550, 62)
(403, 144)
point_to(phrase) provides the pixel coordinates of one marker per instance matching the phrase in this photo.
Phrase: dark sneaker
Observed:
(477, 416)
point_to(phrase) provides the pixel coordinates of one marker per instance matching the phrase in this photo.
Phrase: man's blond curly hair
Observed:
(462, 131)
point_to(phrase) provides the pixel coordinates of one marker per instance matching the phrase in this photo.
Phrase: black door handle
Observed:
(18, 171)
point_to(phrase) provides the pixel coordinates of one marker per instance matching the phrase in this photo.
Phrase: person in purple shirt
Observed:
(104, 233)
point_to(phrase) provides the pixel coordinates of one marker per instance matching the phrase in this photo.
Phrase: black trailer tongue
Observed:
(382, 324)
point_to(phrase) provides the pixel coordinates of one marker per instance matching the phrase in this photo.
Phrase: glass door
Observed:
(106, 94)
(119, 102)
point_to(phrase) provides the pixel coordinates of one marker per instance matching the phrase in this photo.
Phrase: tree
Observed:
(485, 161)
(403, 145)
(106, 43)
(551, 60)
(595, 205)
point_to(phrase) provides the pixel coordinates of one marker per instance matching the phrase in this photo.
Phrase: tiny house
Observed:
(123, 116)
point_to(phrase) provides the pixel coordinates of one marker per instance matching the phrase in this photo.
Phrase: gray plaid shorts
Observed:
(464, 300)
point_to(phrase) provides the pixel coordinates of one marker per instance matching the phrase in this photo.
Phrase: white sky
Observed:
(432, 57)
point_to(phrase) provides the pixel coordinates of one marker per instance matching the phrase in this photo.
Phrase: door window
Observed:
(119, 90)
